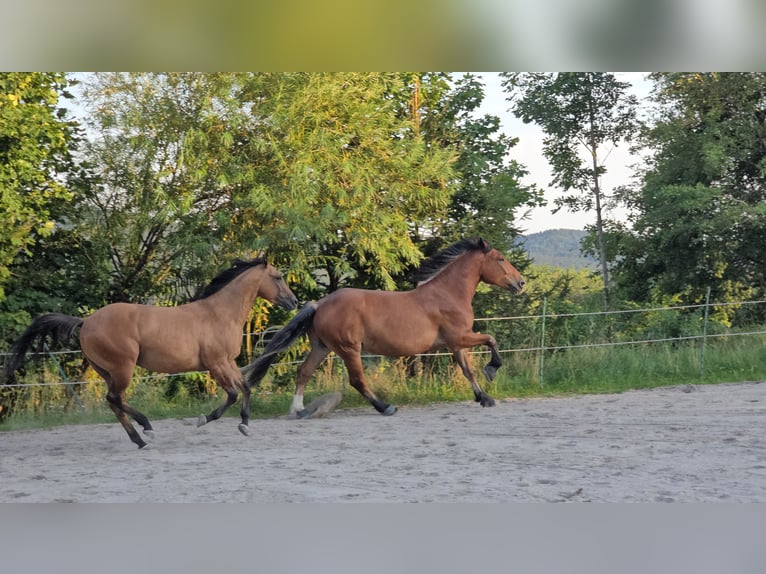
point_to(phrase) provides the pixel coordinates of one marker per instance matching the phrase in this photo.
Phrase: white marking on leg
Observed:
(297, 404)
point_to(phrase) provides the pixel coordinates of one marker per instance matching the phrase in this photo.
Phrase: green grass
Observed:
(573, 371)
(621, 368)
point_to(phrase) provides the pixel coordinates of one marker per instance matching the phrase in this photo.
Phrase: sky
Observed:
(528, 152)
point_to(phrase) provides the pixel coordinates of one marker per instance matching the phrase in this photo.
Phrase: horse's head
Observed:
(497, 270)
(275, 290)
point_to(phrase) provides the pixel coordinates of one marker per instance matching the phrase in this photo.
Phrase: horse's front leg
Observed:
(465, 365)
(472, 339)
(490, 369)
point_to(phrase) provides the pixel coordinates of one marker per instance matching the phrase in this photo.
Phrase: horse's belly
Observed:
(411, 343)
(168, 360)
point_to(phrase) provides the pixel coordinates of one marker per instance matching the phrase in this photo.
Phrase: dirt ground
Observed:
(677, 444)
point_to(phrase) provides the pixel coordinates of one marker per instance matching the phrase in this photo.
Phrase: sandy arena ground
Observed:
(678, 444)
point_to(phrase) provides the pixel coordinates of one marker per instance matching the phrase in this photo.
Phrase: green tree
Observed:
(164, 177)
(35, 140)
(700, 208)
(343, 177)
(578, 112)
(61, 272)
(489, 198)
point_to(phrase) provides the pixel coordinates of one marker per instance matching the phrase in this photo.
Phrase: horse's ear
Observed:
(484, 245)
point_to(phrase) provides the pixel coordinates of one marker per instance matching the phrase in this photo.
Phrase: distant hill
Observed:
(557, 248)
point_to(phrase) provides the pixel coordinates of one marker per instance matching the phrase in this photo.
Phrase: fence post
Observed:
(542, 342)
(704, 334)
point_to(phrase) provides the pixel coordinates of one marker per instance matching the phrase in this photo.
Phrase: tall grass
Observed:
(620, 368)
(570, 371)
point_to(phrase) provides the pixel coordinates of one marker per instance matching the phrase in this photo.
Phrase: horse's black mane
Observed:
(436, 263)
(220, 281)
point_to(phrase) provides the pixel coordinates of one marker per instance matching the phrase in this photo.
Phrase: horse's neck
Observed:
(458, 279)
(235, 300)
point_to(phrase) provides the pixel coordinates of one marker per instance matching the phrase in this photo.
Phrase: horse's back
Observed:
(349, 303)
(122, 316)
(392, 323)
(161, 339)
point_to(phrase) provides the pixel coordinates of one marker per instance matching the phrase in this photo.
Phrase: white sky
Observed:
(528, 152)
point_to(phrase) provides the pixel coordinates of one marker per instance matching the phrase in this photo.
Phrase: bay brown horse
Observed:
(434, 315)
(203, 335)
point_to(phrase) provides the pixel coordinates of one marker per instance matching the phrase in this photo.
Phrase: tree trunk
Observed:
(600, 239)
(599, 218)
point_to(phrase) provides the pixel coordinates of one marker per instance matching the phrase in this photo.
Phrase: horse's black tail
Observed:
(298, 325)
(56, 325)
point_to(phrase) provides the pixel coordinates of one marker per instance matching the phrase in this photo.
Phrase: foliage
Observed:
(163, 179)
(700, 209)
(577, 112)
(57, 274)
(488, 195)
(36, 140)
(343, 177)
(316, 170)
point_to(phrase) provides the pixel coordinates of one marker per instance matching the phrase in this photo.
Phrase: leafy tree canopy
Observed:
(580, 114)
(339, 179)
(700, 211)
(35, 144)
(344, 176)
(489, 198)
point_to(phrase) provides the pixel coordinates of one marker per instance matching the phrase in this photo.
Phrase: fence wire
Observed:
(261, 338)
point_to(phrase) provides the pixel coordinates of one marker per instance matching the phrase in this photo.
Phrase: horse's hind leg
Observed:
(115, 396)
(244, 412)
(353, 362)
(307, 368)
(121, 410)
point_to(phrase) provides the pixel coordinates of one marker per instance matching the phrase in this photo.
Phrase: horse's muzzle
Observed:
(288, 302)
(517, 286)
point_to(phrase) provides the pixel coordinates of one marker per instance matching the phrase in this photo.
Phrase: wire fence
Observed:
(539, 334)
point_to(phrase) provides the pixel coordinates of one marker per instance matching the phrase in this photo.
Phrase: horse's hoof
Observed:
(487, 401)
(149, 434)
(244, 429)
(390, 409)
(201, 420)
(490, 372)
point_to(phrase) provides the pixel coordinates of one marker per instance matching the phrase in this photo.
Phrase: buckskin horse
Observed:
(204, 334)
(434, 315)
